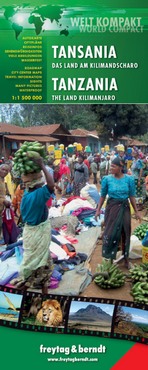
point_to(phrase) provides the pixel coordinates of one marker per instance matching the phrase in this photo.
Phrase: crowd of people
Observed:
(119, 176)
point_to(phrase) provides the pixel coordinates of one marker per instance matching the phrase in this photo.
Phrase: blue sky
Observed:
(76, 305)
(137, 314)
(16, 299)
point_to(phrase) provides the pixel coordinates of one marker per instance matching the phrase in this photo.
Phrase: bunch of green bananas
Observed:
(139, 292)
(141, 231)
(139, 273)
(23, 163)
(114, 278)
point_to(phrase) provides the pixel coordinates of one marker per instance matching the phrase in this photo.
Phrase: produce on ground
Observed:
(139, 292)
(114, 277)
(23, 163)
(139, 273)
(139, 276)
(141, 231)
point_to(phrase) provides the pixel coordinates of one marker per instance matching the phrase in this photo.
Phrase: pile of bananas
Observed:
(139, 292)
(109, 276)
(139, 273)
(139, 276)
(23, 163)
(141, 231)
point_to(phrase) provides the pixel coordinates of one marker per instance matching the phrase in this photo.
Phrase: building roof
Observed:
(42, 139)
(42, 130)
(45, 129)
(11, 129)
(79, 132)
(137, 142)
(36, 130)
(94, 132)
(133, 141)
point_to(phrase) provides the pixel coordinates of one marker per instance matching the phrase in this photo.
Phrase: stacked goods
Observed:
(106, 148)
(139, 273)
(23, 162)
(120, 148)
(139, 276)
(88, 149)
(70, 149)
(139, 292)
(141, 231)
(109, 276)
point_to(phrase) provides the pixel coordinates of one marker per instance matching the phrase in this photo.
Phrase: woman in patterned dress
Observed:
(119, 187)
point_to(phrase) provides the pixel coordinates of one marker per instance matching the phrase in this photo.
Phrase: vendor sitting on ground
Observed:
(36, 267)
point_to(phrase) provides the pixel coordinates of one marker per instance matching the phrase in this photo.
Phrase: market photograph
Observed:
(74, 200)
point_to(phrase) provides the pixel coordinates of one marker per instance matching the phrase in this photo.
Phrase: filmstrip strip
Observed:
(108, 318)
(94, 316)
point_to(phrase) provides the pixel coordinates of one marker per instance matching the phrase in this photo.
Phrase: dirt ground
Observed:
(93, 290)
(123, 292)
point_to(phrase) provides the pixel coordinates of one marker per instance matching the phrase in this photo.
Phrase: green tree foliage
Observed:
(10, 113)
(107, 119)
(43, 114)
(71, 116)
(143, 138)
(122, 119)
(81, 116)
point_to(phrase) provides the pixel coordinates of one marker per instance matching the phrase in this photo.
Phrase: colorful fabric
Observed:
(139, 193)
(64, 183)
(64, 169)
(31, 184)
(2, 194)
(8, 218)
(10, 230)
(37, 263)
(122, 188)
(87, 163)
(137, 165)
(56, 175)
(10, 185)
(33, 205)
(64, 172)
(78, 211)
(16, 201)
(70, 199)
(117, 225)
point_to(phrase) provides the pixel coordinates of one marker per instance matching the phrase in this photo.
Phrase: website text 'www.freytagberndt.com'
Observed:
(76, 350)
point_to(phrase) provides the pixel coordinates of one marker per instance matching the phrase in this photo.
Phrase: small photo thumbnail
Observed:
(90, 316)
(10, 305)
(49, 312)
(131, 321)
